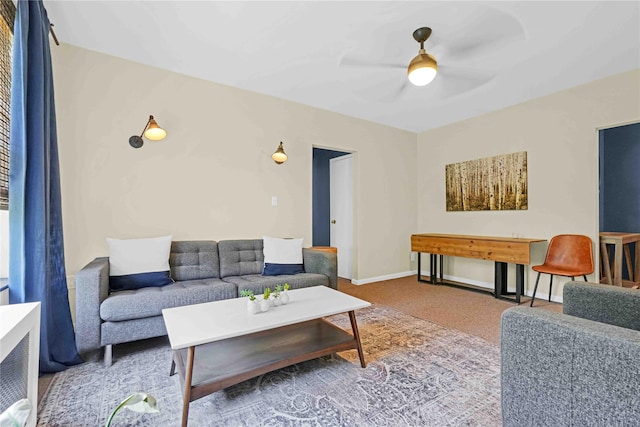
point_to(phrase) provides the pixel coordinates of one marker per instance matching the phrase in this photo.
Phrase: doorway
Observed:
(619, 157)
(321, 206)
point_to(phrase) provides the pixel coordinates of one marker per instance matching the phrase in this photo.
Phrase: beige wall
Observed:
(213, 177)
(559, 134)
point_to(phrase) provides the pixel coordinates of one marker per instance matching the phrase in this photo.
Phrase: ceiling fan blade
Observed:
(387, 94)
(484, 33)
(362, 62)
(399, 90)
(456, 81)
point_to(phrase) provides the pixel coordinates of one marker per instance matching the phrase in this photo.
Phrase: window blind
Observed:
(7, 13)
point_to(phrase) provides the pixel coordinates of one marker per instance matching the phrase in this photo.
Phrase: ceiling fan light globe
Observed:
(422, 69)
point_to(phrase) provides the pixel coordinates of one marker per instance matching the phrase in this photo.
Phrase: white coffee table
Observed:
(234, 345)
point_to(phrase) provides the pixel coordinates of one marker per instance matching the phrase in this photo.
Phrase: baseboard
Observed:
(542, 296)
(462, 280)
(539, 295)
(382, 278)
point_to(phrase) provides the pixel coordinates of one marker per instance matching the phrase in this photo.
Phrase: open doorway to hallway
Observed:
(332, 216)
(619, 158)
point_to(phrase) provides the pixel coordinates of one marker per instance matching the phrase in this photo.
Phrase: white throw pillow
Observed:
(282, 251)
(138, 263)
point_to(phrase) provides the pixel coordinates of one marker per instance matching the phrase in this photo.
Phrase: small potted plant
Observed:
(275, 296)
(284, 294)
(265, 303)
(253, 306)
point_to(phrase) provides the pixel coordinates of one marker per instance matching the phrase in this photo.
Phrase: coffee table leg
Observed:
(187, 386)
(356, 335)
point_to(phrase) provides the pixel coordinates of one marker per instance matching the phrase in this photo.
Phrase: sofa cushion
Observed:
(139, 263)
(191, 260)
(257, 282)
(147, 302)
(240, 257)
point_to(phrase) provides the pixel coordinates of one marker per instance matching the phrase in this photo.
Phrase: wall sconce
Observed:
(279, 156)
(151, 130)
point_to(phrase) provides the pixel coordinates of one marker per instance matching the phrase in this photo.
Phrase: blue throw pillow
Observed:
(141, 280)
(139, 263)
(271, 269)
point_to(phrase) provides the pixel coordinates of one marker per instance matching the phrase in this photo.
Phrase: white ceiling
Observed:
(490, 54)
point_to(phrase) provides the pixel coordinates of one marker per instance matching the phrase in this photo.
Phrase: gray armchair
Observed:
(579, 368)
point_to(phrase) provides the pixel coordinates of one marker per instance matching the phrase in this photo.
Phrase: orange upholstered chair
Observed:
(568, 255)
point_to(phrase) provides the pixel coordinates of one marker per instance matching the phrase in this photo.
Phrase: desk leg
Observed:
(187, 386)
(500, 279)
(617, 266)
(519, 282)
(441, 268)
(627, 258)
(636, 269)
(433, 268)
(420, 279)
(606, 263)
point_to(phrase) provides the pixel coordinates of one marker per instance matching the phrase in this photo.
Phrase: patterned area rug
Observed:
(418, 374)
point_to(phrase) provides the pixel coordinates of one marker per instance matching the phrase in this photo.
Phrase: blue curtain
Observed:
(36, 250)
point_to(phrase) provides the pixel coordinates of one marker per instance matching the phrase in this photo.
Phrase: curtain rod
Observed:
(53, 34)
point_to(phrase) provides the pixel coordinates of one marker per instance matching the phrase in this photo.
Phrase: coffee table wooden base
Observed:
(221, 364)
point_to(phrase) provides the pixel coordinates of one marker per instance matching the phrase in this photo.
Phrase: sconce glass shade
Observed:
(153, 131)
(279, 156)
(422, 69)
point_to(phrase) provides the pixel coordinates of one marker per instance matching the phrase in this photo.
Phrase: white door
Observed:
(341, 210)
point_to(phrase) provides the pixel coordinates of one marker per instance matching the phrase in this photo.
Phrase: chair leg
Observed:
(585, 277)
(535, 288)
(550, 286)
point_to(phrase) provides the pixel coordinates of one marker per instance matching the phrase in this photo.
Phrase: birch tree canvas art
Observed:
(493, 183)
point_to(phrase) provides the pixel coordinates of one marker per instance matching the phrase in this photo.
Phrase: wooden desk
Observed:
(501, 250)
(620, 242)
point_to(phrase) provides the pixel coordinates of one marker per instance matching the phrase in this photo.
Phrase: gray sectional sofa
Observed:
(203, 271)
(579, 368)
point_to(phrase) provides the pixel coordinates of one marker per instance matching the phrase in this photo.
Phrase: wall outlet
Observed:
(274, 200)
(413, 256)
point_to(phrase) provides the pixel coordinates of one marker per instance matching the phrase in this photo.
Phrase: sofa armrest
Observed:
(92, 287)
(322, 262)
(602, 303)
(566, 371)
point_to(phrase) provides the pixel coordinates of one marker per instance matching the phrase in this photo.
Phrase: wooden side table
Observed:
(325, 248)
(620, 242)
(20, 331)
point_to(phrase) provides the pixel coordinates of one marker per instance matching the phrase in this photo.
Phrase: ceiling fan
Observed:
(424, 67)
(453, 79)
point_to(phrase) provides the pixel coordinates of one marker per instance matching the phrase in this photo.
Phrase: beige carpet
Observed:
(475, 313)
